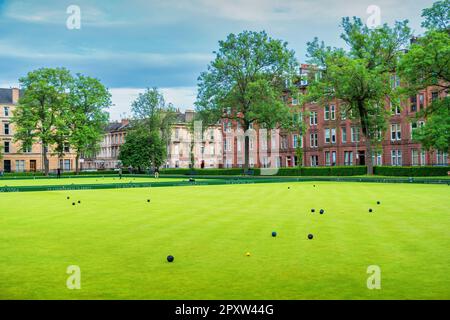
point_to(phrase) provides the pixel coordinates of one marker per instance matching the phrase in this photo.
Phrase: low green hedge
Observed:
(211, 172)
(425, 171)
(323, 171)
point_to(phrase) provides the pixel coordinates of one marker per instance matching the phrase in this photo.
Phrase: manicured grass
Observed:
(120, 241)
(81, 180)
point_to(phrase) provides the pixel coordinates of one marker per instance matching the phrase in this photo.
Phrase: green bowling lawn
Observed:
(120, 242)
(11, 182)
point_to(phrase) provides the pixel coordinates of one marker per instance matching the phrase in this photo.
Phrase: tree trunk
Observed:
(366, 132)
(45, 159)
(77, 164)
(246, 147)
(369, 162)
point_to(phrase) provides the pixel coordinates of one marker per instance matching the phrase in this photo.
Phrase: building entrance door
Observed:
(362, 158)
(33, 165)
(7, 165)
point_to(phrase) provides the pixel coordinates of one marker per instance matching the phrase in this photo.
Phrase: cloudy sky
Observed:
(133, 44)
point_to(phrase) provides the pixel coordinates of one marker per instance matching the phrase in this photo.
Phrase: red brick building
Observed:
(331, 139)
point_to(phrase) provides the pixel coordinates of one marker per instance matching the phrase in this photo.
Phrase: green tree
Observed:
(427, 63)
(438, 16)
(41, 111)
(142, 150)
(87, 116)
(246, 81)
(360, 78)
(150, 131)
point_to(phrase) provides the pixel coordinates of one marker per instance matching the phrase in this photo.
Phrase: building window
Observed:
(295, 101)
(327, 135)
(327, 158)
(396, 109)
(6, 147)
(395, 81)
(344, 135)
(177, 133)
(434, 96)
(6, 111)
(377, 158)
(20, 165)
(315, 161)
(64, 164)
(284, 142)
(396, 132)
(333, 135)
(441, 158)
(313, 118)
(423, 158)
(355, 134)
(348, 158)
(66, 148)
(6, 130)
(343, 115)
(326, 115)
(421, 101)
(415, 126)
(333, 158)
(313, 140)
(413, 103)
(414, 157)
(333, 112)
(26, 148)
(295, 140)
(396, 157)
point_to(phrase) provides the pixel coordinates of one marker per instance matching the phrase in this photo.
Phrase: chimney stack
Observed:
(15, 93)
(189, 115)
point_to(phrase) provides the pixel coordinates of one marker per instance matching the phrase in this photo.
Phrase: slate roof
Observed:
(6, 95)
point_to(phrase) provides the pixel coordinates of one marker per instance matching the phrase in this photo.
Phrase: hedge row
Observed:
(211, 172)
(426, 171)
(40, 174)
(323, 171)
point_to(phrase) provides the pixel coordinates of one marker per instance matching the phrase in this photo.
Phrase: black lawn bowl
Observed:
(68, 198)
(378, 202)
(79, 201)
(274, 234)
(310, 236)
(148, 200)
(370, 210)
(322, 211)
(313, 210)
(73, 203)
(289, 187)
(170, 258)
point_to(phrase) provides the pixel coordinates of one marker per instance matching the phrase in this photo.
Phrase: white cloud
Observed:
(181, 97)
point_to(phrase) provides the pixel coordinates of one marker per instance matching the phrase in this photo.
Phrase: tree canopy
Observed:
(59, 111)
(149, 134)
(427, 64)
(360, 77)
(245, 82)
